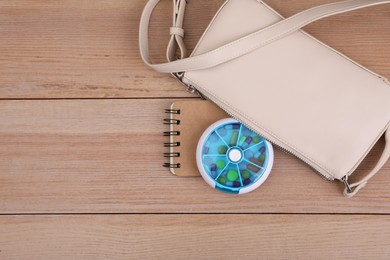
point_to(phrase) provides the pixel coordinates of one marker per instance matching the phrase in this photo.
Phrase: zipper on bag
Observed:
(204, 94)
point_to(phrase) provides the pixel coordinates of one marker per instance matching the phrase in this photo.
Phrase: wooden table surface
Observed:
(81, 146)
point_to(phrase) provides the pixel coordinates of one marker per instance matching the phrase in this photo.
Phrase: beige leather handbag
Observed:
(324, 108)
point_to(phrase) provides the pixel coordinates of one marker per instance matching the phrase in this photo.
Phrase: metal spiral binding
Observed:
(172, 133)
(170, 121)
(173, 111)
(171, 165)
(169, 155)
(173, 144)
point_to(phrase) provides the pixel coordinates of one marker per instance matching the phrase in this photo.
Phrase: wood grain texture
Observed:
(89, 49)
(194, 237)
(84, 156)
(105, 155)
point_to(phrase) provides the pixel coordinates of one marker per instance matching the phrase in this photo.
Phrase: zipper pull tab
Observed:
(179, 76)
(347, 186)
(191, 89)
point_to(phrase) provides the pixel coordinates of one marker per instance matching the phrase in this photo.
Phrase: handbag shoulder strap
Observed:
(243, 45)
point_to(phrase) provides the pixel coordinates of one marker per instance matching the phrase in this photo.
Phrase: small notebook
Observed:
(188, 120)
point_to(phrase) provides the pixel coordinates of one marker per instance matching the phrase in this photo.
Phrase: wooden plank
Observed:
(86, 156)
(89, 49)
(194, 236)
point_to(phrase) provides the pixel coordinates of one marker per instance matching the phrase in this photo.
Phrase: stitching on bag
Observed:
(262, 44)
(265, 130)
(323, 44)
(262, 31)
(267, 29)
